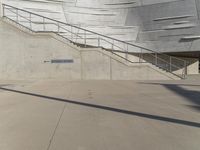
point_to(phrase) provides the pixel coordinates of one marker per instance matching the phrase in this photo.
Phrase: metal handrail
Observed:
(100, 37)
(172, 65)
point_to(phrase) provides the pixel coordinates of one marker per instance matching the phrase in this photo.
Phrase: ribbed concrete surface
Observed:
(99, 115)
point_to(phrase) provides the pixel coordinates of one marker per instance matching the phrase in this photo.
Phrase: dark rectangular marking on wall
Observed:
(62, 61)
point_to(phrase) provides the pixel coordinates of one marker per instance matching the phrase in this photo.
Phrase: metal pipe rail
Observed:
(81, 36)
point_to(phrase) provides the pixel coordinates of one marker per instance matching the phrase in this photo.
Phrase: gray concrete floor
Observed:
(100, 115)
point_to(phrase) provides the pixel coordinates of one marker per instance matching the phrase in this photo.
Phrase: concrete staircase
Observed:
(76, 39)
(121, 69)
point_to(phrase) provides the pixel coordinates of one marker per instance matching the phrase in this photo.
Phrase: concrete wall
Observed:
(164, 25)
(26, 56)
(52, 9)
(156, 24)
(192, 67)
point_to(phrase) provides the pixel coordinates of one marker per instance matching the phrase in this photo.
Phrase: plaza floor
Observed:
(100, 115)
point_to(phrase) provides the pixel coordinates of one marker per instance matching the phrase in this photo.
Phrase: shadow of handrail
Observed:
(107, 108)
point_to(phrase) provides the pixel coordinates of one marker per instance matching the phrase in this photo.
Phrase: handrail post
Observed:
(98, 41)
(85, 42)
(3, 10)
(112, 46)
(170, 64)
(156, 59)
(58, 27)
(71, 33)
(140, 56)
(126, 52)
(185, 66)
(44, 24)
(17, 19)
(30, 21)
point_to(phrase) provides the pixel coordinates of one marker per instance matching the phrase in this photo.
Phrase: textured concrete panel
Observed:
(146, 22)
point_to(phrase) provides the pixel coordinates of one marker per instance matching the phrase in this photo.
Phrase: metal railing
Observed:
(130, 52)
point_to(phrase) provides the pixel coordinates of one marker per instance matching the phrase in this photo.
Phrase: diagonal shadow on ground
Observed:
(192, 96)
(102, 107)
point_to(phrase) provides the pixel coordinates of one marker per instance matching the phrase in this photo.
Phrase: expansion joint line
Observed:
(58, 123)
(54, 132)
